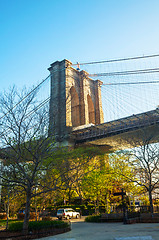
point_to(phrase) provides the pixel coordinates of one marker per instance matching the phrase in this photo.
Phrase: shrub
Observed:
(93, 218)
(18, 226)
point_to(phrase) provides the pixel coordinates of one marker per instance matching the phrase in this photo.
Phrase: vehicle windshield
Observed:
(60, 211)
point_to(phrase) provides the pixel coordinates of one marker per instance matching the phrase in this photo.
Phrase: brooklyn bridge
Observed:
(105, 103)
(77, 107)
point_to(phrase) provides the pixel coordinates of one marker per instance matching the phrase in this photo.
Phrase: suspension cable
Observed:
(117, 60)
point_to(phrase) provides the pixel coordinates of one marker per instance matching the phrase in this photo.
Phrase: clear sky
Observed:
(35, 33)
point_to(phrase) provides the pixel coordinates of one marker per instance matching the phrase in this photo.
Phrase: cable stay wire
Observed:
(122, 108)
(25, 96)
(30, 113)
(37, 107)
(111, 103)
(135, 92)
(44, 80)
(37, 124)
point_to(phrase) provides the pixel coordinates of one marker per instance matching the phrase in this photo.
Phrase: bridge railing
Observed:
(118, 126)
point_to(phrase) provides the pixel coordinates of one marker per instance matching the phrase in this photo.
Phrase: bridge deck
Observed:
(123, 125)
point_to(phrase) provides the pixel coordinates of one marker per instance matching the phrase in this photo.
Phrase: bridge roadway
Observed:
(117, 133)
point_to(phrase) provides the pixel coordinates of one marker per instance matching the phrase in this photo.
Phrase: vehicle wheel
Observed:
(77, 216)
(67, 217)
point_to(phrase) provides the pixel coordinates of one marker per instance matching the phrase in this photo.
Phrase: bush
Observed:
(18, 226)
(93, 218)
(3, 216)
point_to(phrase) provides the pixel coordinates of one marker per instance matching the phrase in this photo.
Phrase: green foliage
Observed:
(2, 222)
(93, 218)
(66, 169)
(18, 226)
(80, 176)
(99, 184)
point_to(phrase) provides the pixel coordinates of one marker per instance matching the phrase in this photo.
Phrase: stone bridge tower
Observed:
(75, 101)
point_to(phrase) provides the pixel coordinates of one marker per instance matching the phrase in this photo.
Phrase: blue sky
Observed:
(35, 33)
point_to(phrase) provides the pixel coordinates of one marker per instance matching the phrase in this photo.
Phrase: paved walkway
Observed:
(109, 231)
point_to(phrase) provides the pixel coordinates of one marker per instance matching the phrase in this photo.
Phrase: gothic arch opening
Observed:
(91, 111)
(75, 110)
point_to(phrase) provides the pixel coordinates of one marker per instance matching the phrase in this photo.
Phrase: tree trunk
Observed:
(69, 196)
(150, 200)
(97, 208)
(106, 203)
(36, 211)
(7, 210)
(27, 212)
(35, 200)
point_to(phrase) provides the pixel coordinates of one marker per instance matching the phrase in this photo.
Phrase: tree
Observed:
(15, 194)
(144, 160)
(100, 184)
(30, 160)
(69, 168)
(25, 143)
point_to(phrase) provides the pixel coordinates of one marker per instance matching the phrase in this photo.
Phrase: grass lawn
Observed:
(3, 222)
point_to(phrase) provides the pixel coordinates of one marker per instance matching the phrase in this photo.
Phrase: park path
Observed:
(108, 231)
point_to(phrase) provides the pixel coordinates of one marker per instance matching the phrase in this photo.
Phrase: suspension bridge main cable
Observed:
(130, 83)
(117, 60)
(130, 72)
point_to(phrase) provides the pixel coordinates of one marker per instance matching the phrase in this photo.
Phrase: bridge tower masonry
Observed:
(75, 100)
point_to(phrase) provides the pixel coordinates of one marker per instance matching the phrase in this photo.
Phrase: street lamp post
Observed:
(122, 194)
